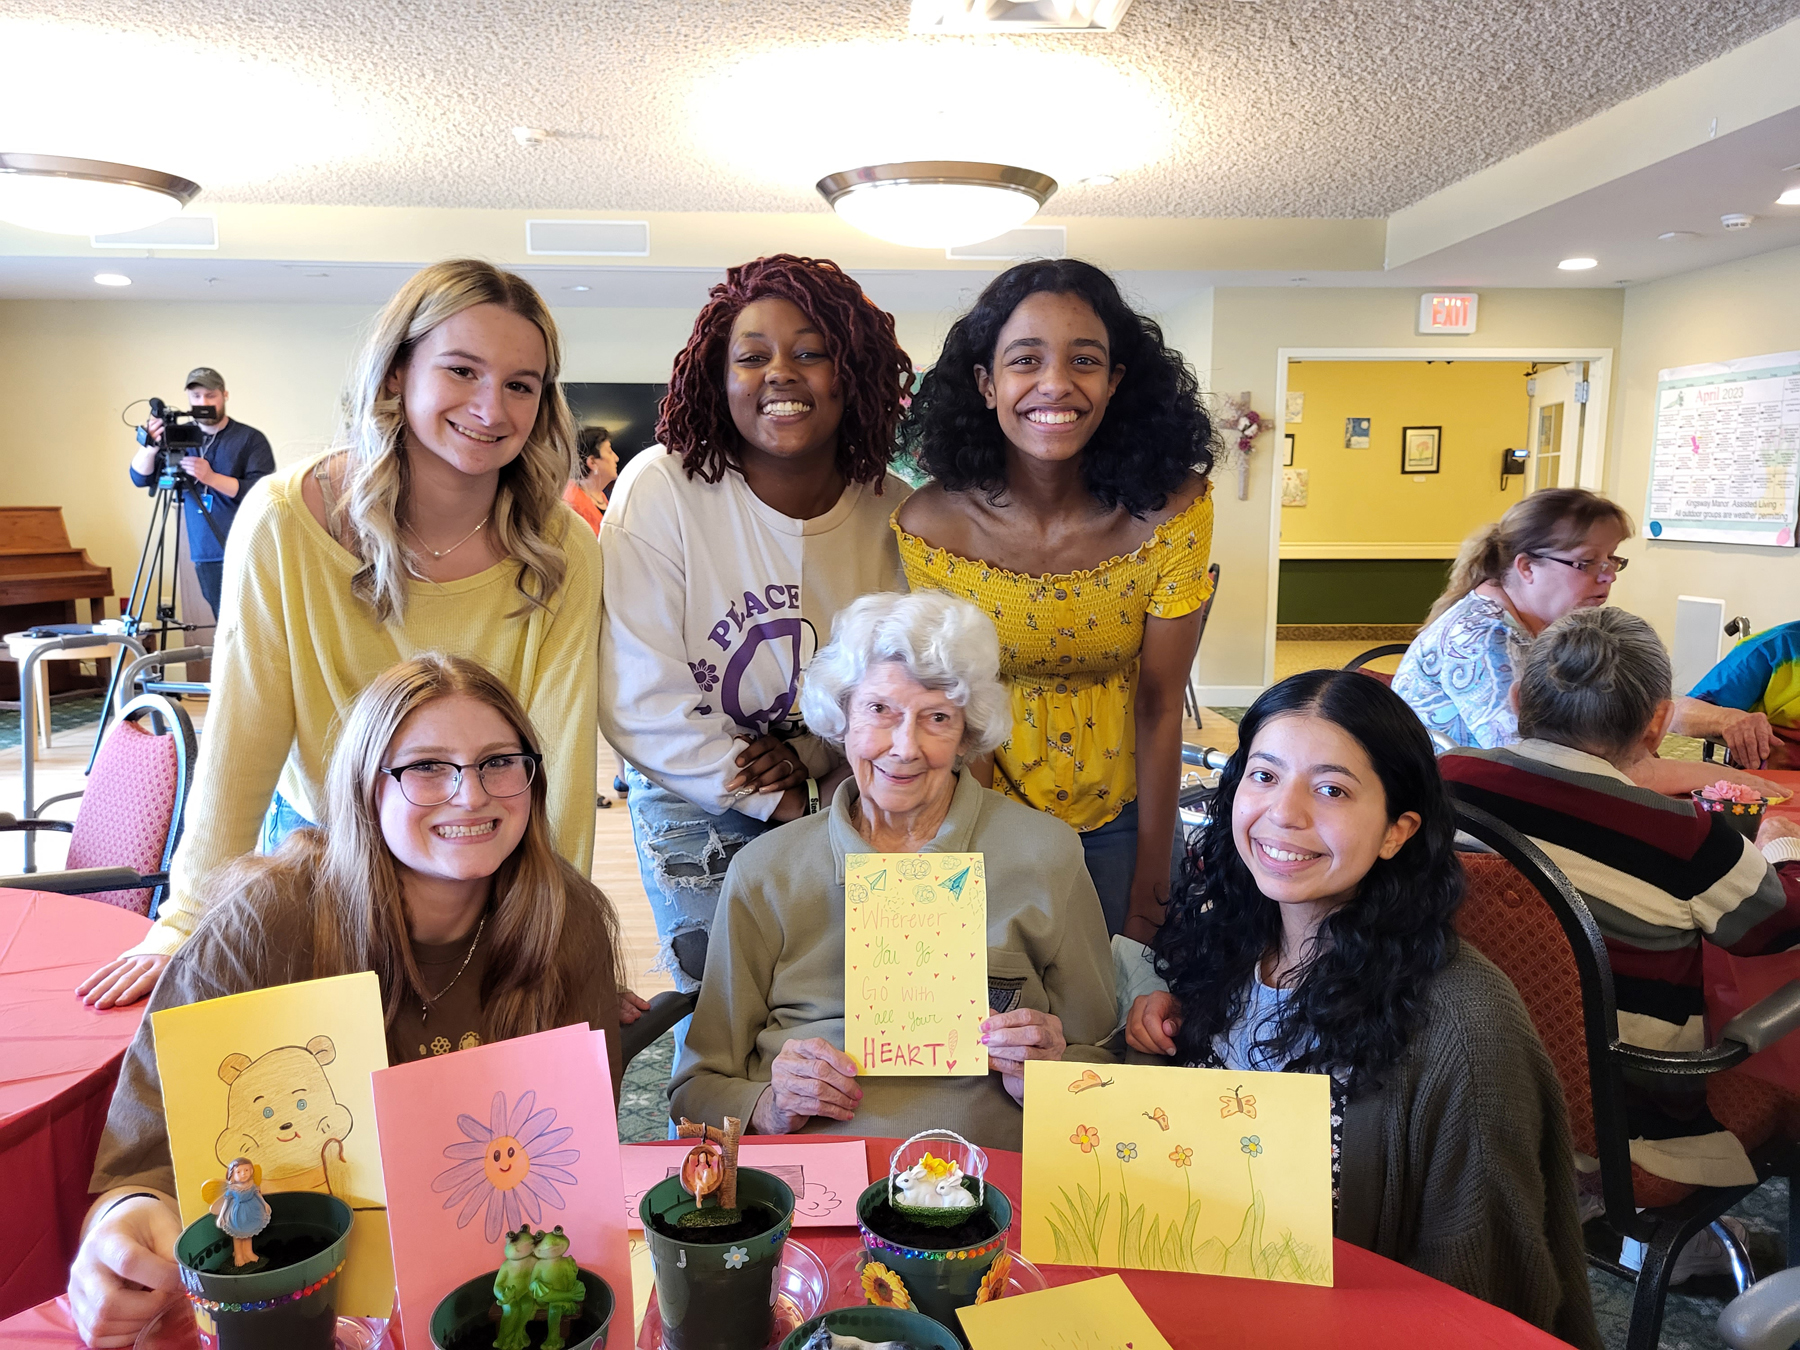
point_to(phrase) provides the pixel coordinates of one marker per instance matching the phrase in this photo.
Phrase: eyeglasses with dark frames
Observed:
(1605, 566)
(432, 782)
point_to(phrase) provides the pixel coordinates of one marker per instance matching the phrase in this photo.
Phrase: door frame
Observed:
(1600, 361)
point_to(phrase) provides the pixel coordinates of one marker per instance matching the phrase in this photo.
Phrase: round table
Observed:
(1375, 1304)
(59, 1060)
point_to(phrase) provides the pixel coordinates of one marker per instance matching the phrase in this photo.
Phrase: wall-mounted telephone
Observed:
(1512, 462)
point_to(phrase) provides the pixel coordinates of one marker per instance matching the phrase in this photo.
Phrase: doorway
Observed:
(1561, 423)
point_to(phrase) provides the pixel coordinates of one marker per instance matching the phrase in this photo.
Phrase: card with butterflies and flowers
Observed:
(1152, 1167)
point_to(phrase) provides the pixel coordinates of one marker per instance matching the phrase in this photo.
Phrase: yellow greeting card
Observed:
(1207, 1171)
(915, 963)
(281, 1076)
(1092, 1315)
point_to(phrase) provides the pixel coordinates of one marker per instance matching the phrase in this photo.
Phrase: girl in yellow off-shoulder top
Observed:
(1069, 449)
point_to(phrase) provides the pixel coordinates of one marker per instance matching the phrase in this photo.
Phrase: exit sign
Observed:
(1447, 311)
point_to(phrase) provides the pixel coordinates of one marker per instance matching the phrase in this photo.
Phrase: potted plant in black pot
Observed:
(933, 1230)
(716, 1232)
(262, 1272)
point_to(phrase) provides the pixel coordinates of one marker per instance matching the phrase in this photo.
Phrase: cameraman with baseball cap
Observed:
(230, 461)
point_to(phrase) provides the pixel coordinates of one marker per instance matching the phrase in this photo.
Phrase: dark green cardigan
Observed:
(1460, 1165)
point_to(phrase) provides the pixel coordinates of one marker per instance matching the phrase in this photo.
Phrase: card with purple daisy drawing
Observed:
(475, 1145)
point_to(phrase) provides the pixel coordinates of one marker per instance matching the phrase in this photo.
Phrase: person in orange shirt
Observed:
(597, 469)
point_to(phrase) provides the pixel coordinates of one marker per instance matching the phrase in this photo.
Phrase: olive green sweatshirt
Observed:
(775, 964)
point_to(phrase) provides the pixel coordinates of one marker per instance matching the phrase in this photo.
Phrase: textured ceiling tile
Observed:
(1274, 108)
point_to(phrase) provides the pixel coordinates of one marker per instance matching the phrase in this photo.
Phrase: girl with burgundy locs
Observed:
(728, 550)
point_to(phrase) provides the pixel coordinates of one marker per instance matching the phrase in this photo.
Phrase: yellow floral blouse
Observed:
(1069, 646)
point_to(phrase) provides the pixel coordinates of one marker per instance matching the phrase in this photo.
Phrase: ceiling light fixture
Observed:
(936, 203)
(60, 195)
(1098, 180)
(1017, 16)
(111, 279)
(1789, 198)
(1578, 264)
(1676, 236)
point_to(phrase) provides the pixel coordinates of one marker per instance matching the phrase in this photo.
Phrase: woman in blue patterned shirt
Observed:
(1551, 553)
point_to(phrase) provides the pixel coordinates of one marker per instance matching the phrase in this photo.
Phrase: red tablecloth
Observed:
(1733, 983)
(58, 1062)
(1374, 1305)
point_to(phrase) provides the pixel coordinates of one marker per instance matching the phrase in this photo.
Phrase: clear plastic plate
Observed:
(173, 1329)
(799, 1297)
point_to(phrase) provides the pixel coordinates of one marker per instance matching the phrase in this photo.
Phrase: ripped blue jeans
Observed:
(682, 855)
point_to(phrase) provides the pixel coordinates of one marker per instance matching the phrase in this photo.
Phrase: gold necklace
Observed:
(429, 999)
(458, 544)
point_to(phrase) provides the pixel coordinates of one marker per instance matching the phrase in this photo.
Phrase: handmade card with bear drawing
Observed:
(281, 1076)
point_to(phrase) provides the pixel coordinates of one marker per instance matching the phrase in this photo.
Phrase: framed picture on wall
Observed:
(1421, 449)
(1287, 453)
(1356, 433)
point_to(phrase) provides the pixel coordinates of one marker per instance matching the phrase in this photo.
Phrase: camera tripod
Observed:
(155, 583)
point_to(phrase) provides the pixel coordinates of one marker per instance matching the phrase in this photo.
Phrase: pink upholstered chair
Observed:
(124, 834)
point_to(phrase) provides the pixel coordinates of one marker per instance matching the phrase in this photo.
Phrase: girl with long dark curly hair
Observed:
(1313, 930)
(1070, 452)
(728, 549)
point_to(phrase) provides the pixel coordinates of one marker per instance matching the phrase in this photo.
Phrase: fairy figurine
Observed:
(240, 1210)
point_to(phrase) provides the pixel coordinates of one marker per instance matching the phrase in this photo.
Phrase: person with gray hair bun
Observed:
(910, 688)
(1593, 702)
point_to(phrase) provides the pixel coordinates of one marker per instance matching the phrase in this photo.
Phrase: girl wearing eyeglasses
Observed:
(431, 866)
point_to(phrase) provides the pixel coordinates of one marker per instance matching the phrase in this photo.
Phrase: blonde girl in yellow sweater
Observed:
(436, 524)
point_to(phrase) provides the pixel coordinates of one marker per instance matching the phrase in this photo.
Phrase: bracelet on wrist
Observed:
(812, 796)
(134, 1195)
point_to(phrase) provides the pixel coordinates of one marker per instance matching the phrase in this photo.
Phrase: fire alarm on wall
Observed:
(1736, 221)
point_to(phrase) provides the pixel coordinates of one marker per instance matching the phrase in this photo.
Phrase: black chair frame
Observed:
(162, 712)
(1663, 1231)
(1362, 659)
(670, 1006)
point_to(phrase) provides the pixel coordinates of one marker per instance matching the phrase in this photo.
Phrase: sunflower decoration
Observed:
(993, 1284)
(883, 1287)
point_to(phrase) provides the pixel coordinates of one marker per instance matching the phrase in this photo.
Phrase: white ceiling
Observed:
(574, 287)
(1206, 108)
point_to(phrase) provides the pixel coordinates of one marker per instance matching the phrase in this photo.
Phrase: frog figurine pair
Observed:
(538, 1273)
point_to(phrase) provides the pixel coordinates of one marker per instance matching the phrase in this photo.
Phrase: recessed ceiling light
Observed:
(61, 195)
(111, 279)
(1789, 198)
(578, 288)
(1578, 264)
(936, 203)
(1676, 236)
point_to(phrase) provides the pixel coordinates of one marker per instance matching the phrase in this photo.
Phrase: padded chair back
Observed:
(131, 812)
(1508, 922)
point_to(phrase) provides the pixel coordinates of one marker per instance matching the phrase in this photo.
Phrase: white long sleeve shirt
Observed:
(714, 603)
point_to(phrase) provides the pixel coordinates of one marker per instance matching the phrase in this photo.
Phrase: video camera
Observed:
(181, 436)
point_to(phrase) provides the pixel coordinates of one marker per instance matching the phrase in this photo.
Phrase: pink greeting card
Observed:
(478, 1143)
(825, 1177)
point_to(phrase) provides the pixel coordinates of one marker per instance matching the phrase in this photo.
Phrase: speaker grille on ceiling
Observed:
(1028, 241)
(588, 238)
(175, 232)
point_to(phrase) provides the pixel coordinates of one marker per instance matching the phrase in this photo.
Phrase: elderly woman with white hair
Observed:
(910, 687)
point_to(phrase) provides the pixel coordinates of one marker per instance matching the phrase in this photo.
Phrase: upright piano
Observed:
(42, 575)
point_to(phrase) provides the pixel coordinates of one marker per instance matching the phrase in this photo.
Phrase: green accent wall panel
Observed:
(1359, 590)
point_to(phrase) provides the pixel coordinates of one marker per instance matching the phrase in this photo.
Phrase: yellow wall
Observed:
(1746, 308)
(1250, 325)
(1360, 496)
